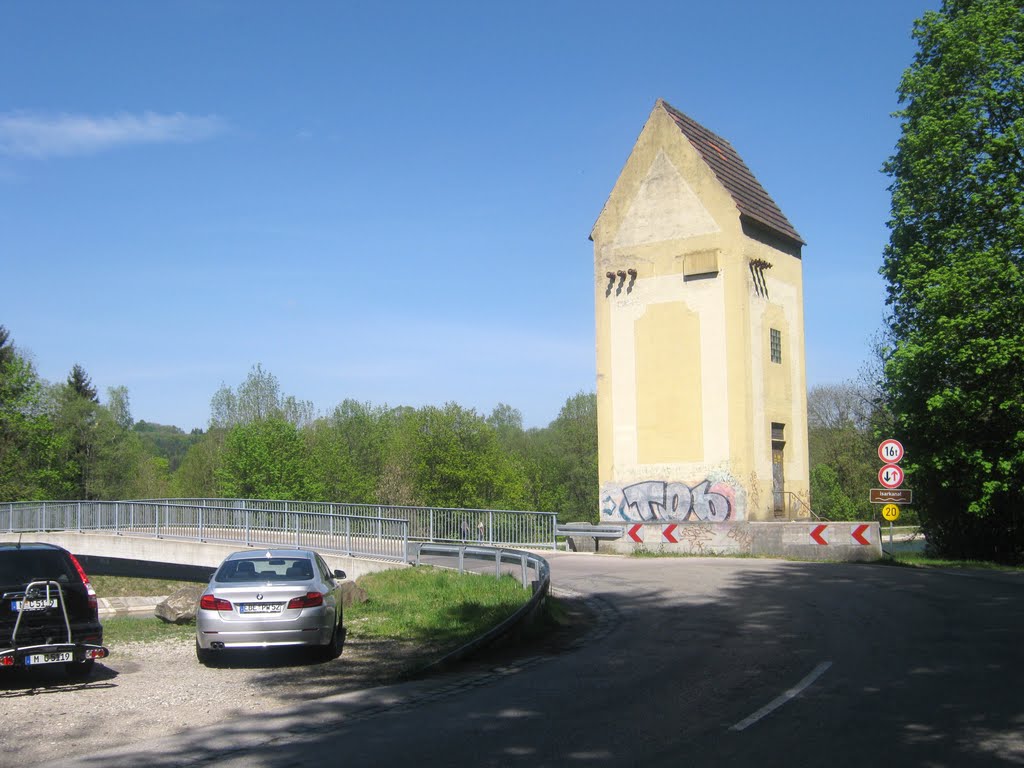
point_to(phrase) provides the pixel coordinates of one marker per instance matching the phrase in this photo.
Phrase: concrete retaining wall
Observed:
(803, 541)
(177, 551)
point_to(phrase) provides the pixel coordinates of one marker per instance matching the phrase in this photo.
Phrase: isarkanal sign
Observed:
(890, 496)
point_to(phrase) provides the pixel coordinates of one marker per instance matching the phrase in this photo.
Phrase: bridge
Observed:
(388, 533)
(192, 536)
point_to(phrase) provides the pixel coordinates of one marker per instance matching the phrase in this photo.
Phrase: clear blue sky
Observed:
(390, 201)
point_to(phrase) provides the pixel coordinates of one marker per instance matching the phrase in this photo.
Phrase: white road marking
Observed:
(792, 693)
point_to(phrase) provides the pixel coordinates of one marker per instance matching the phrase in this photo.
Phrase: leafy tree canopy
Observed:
(955, 374)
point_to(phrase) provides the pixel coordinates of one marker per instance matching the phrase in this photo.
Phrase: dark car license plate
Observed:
(49, 658)
(33, 605)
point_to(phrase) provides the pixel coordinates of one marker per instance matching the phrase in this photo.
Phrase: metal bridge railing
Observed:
(378, 537)
(533, 530)
(287, 522)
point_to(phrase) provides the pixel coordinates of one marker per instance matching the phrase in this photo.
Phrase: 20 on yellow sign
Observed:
(891, 512)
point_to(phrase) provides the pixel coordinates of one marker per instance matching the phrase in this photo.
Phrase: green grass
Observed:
(439, 607)
(915, 560)
(129, 586)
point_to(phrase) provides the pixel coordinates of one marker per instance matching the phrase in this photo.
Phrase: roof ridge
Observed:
(751, 198)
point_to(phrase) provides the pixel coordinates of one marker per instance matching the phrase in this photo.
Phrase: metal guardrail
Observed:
(379, 537)
(491, 527)
(501, 557)
(593, 531)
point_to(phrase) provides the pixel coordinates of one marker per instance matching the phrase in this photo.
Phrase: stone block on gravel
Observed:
(180, 607)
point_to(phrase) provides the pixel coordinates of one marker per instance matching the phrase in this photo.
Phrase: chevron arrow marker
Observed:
(816, 534)
(858, 534)
(633, 533)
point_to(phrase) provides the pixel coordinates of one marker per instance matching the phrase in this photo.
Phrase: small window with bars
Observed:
(776, 346)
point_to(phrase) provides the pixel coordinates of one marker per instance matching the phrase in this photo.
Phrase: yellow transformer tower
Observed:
(701, 383)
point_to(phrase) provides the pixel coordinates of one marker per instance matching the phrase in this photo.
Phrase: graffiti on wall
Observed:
(660, 500)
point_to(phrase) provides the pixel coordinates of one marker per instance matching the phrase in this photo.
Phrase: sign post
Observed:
(891, 512)
(891, 477)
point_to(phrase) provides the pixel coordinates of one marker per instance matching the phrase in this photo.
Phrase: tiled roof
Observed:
(750, 197)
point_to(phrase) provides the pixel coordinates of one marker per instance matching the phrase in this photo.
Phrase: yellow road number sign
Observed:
(891, 512)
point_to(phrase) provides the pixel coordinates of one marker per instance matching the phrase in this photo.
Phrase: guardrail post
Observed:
(40, 516)
(462, 559)
(78, 515)
(245, 513)
(522, 559)
(296, 526)
(201, 522)
(497, 563)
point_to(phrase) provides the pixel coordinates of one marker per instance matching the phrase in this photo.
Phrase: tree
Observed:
(81, 385)
(265, 459)
(166, 442)
(196, 476)
(575, 443)
(6, 347)
(843, 454)
(458, 463)
(30, 449)
(953, 266)
(118, 403)
(258, 398)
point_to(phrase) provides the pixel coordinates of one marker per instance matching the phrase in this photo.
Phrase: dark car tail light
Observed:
(211, 603)
(308, 600)
(93, 604)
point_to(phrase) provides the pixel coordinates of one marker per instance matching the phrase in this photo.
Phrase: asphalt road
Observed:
(692, 662)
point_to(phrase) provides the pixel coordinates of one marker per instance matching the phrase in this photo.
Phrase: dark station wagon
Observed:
(48, 611)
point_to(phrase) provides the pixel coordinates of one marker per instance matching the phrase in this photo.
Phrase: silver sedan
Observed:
(268, 599)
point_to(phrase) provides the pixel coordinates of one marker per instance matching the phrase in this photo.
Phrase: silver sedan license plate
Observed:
(260, 607)
(49, 658)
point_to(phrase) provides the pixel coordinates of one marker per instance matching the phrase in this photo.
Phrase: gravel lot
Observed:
(143, 691)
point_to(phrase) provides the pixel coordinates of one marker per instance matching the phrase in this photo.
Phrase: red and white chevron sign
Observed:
(668, 533)
(635, 533)
(818, 534)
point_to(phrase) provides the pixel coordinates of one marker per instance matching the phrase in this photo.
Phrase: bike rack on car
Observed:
(90, 650)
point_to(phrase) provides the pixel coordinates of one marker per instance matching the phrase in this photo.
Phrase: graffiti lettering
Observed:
(659, 500)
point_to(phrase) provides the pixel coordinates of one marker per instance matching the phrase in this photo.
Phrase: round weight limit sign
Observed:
(890, 451)
(891, 512)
